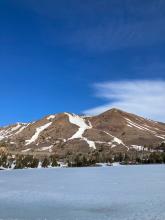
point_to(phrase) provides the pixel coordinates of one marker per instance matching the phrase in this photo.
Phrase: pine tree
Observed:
(45, 162)
(54, 161)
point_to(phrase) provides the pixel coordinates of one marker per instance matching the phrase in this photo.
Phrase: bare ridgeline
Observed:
(112, 134)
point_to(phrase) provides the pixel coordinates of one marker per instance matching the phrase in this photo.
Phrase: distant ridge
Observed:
(61, 133)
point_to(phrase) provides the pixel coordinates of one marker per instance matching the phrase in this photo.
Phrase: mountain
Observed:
(65, 133)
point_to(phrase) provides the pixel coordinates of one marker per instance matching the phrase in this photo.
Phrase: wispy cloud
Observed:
(101, 26)
(119, 36)
(142, 97)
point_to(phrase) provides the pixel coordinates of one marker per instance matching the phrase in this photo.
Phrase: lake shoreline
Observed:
(66, 167)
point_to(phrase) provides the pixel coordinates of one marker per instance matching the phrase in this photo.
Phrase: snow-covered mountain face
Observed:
(61, 133)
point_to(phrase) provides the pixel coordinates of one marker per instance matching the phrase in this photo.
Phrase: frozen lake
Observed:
(110, 193)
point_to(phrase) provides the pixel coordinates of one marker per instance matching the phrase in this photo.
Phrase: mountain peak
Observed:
(66, 132)
(113, 111)
(116, 110)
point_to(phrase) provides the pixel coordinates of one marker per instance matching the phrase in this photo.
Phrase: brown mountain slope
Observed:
(65, 132)
(130, 128)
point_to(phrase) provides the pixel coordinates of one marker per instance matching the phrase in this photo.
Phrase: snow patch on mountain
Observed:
(137, 147)
(49, 148)
(10, 131)
(22, 128)
(161, 137)
(51, 117)
(26, 150)
(37, 133)
(5, 133)
(115, 139)
(134, 124)
(80, 122)
(145, 128)
(140, 126)
(90, 143)
(16, 127)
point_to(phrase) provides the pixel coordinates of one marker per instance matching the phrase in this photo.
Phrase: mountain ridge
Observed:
(61, 133)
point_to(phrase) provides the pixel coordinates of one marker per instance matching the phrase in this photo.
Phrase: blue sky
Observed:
(58, 56)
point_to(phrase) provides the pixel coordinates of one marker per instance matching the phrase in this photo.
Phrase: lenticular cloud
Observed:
(142, 97)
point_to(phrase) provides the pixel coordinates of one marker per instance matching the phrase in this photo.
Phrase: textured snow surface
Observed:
(24, 151)
(140, 126)
(5, 133)
(51, 117)
(161, 137)
(80, 122)
(115, 139)
(37, 133)
(47, 148)
(21, 129)
(105, 193)
(10, 131)
(137, 147)
(16, 127)
(144, 128)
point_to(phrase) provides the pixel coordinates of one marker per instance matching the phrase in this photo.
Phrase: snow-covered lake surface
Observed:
(110, 193)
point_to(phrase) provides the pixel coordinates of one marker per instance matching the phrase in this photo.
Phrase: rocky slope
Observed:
(60, 133)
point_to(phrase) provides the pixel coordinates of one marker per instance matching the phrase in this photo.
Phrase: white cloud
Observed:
(119, 36)
(142, 97)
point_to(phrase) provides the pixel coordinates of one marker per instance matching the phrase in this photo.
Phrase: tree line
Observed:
(81, 160)
(26, 161)
(73, 159)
